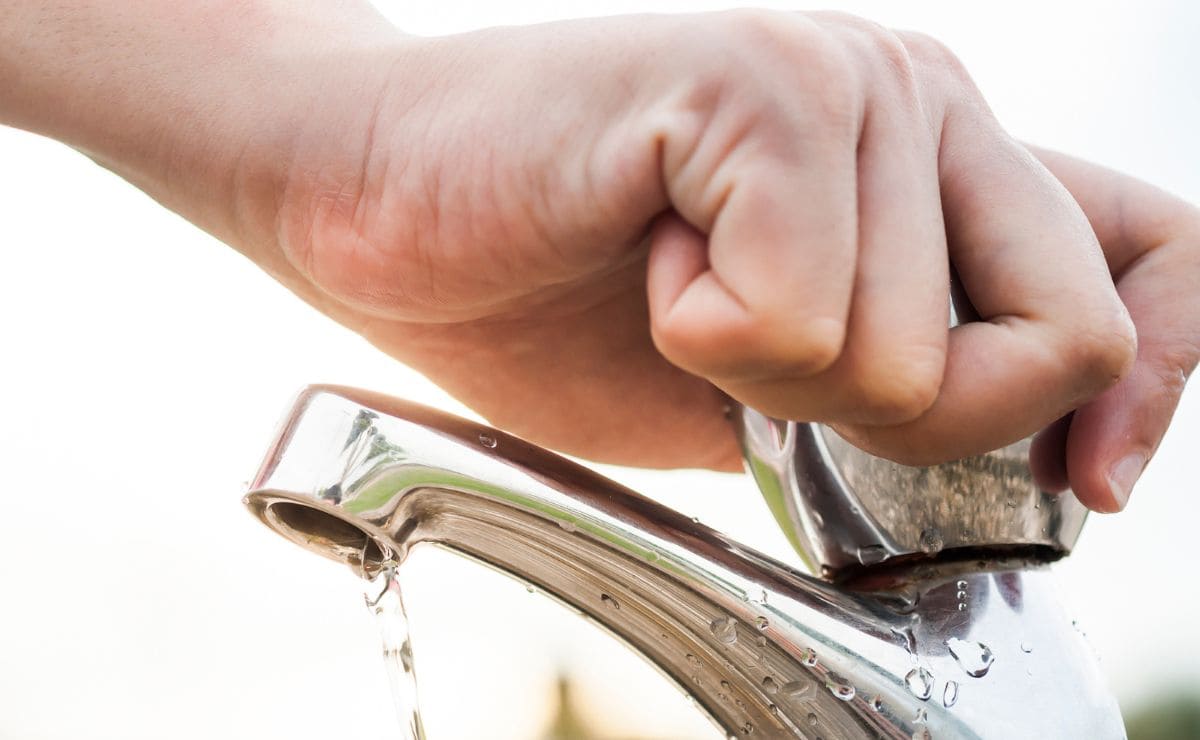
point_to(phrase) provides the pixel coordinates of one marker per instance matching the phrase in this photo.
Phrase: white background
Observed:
(143, 366)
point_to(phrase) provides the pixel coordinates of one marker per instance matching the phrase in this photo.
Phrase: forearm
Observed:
(190, 101)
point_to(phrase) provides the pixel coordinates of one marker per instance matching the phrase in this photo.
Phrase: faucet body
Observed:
(974, 645)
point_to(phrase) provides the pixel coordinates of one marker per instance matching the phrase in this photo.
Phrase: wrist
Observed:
(199, 104)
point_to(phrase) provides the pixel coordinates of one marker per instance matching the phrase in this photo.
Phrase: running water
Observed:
(383, 599)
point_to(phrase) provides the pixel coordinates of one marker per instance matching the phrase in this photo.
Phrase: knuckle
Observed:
(934, 56)
(899, 389)
(815, 347)
(882, 45)
(1173, 366)
(1105, 350)
(898, 64)
(774, 43)
(759, 29)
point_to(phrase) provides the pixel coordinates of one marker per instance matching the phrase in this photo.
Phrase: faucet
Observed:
(933, 613)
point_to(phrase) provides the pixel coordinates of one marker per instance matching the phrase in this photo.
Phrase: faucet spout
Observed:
(761, 648)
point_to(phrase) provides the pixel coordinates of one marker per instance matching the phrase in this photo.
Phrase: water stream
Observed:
(383, 599)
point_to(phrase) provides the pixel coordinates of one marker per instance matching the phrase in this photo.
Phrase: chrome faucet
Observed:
(934, 614)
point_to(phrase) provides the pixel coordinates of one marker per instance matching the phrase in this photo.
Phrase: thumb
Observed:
(1113, 437)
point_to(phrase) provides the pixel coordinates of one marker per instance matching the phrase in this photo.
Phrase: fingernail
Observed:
(1123, 475)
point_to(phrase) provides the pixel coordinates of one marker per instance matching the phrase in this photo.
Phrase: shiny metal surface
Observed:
(843, 509)
(761, 648)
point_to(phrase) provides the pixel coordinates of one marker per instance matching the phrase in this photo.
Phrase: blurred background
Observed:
(145, 366)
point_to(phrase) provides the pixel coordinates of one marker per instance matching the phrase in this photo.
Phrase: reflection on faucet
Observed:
(917, 648)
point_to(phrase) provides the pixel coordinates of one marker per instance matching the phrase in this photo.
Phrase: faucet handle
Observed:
(843, 509)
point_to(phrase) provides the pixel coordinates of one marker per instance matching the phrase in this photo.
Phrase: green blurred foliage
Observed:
(1171, 718)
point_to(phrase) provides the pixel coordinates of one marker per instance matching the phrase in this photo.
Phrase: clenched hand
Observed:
(591, 231)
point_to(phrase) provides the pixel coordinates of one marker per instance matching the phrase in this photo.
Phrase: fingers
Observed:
(1113, 437)
(810, 296)
(804, 267)
(890, 368)
(768, 292)
(1151, 241)
(1054, 332)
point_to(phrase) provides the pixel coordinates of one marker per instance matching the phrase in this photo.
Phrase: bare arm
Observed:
(584, 229)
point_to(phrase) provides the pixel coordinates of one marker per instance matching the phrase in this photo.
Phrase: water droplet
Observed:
(872, 554)
(974, 658)
(487, 440)
(920, 683)
(809, 657)
(812, 719)
(695, 520)
(770, 686)
(877, 703)
(818, 519)
(724, 629)
(566, 526)
(931, 540)
(693, 659)
(962, 607)
(725, 685)
(609, 601)
(922, 715)
(761, 622)
(839, 687)
(907, 638)
(758, 597)
(529, 588)
(798, 689)
(747, 728)
(922, 733)
(962, 585)
(950, 695)
(774, 709)
(1011, 503)
(961, 594)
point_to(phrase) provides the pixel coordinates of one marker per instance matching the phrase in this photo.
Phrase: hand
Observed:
(1152, 243)
(580, 229)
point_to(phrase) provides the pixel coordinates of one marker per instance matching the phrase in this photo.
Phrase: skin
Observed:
(594, 232)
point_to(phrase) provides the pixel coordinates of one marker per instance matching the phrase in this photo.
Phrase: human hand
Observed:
(580, 229)
(1152, 243)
